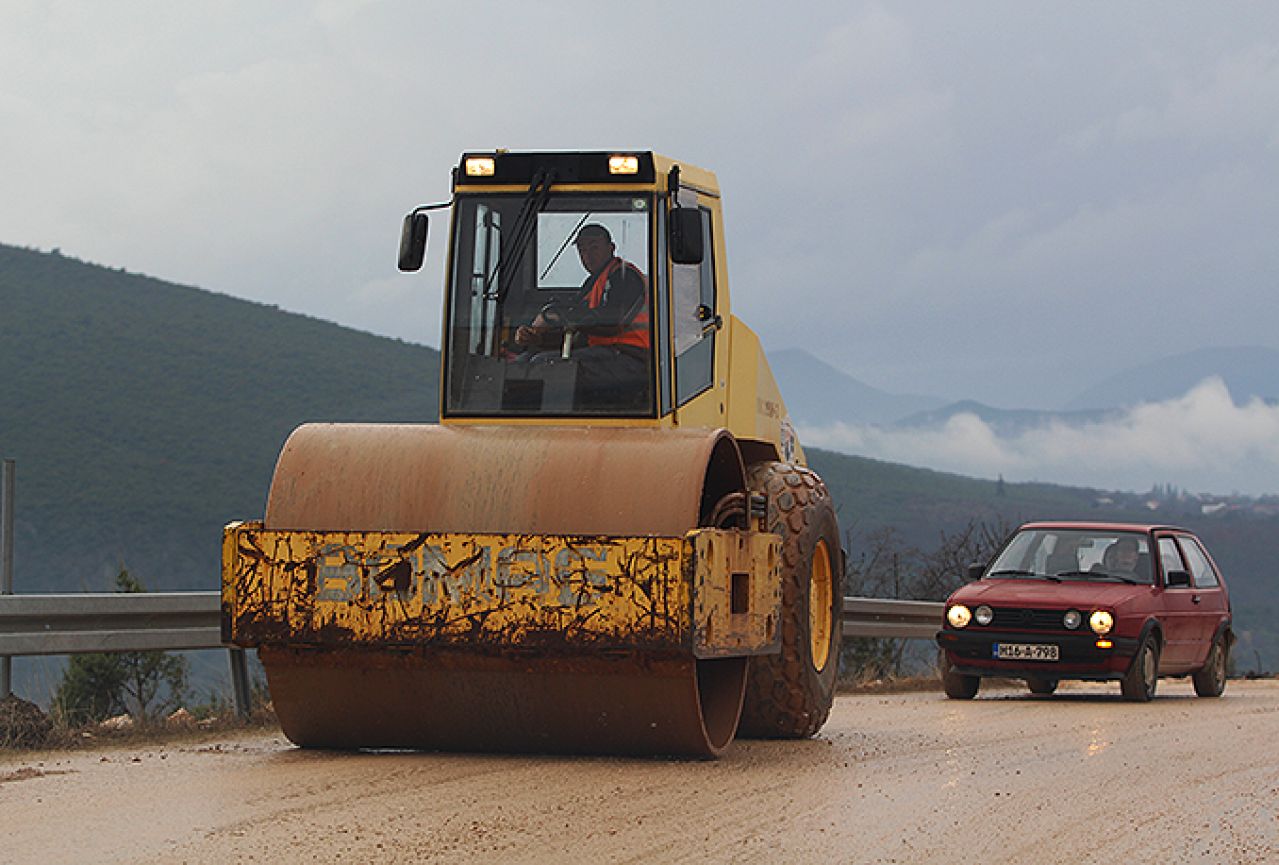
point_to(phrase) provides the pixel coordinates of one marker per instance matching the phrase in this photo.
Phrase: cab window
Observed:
(549, 307)
(693, 306)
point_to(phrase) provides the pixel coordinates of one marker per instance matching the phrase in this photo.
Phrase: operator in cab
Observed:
(605, 329)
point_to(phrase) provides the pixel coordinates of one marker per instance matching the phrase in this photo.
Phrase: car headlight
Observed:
(1101, 622)
(984, 615)
(958, 616)
(1072, 620)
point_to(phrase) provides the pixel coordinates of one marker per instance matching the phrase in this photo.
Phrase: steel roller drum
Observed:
(534, 480)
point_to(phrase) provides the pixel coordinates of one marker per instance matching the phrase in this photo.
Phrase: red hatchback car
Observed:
(1094, 601)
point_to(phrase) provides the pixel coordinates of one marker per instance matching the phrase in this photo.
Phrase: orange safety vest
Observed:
(636, 332)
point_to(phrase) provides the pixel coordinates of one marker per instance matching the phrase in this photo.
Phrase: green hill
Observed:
(145, 415)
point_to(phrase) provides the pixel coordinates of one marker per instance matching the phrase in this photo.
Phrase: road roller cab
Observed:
(609, 544)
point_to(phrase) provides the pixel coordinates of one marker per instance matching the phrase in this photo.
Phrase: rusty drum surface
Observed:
(530, 480)
(535, 480)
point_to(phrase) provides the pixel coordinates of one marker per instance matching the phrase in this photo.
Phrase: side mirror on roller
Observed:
(686, 236)
(413, 242)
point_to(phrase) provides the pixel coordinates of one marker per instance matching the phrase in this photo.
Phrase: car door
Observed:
(1179, 610)
(1209, 598)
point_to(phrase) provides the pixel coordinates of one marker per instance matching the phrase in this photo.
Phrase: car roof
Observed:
(1095, 526)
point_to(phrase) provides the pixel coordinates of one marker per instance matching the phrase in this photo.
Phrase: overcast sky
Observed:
(1000, 201)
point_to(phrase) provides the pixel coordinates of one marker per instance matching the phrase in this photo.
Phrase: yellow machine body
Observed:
(713, 593)
(521, 581)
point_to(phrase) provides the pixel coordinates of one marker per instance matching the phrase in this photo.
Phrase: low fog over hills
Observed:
(1207, 421)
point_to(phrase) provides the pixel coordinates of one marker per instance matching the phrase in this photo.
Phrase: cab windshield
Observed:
(548, 311)
(1074, 554)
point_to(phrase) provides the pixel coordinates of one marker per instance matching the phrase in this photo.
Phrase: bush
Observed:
(147, 685)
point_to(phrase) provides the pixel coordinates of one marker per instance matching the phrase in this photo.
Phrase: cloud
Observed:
(922, 189)
(1201, 441)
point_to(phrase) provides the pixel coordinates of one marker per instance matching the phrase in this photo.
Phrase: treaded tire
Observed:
(1210, 680)
(956, 685)
(787, 696)
(1139, 683)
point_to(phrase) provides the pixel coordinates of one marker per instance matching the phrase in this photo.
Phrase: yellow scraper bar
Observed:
(714, 592)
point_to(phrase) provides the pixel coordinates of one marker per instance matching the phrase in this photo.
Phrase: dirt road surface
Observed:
(904, 778)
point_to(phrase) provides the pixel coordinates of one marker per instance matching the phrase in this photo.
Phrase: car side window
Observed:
(1200, 568)
(1169, 557)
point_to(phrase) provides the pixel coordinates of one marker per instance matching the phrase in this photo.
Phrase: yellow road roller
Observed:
(609, 544)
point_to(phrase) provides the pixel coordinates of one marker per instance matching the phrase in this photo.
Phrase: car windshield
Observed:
(1074, 554)
(549, 305)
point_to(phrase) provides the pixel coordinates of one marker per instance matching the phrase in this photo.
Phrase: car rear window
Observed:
(1200, 568)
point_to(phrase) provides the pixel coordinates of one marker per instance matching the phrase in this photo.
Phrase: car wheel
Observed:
(1138, 684)
(1041, 685)
(956, 685)
(1210, 680)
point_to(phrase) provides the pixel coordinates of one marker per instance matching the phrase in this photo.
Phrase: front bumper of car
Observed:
(971, 652)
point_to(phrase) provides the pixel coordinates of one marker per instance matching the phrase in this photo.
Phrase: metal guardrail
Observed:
(882, 617)
(77, 623)
(170, 621)
(160, 621)
(116, 622)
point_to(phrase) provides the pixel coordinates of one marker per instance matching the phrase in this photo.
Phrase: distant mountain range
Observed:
(1004, 422)
(818, 394)
(1250, 372)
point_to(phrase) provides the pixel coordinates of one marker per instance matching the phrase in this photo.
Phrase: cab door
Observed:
(1179, 613)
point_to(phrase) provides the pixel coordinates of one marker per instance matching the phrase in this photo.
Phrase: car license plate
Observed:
(1025, 651)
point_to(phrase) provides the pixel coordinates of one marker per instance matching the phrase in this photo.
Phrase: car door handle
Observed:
(1194, 599)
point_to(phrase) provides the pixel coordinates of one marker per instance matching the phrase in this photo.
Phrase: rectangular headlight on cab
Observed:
(621, 164)
(480, 166)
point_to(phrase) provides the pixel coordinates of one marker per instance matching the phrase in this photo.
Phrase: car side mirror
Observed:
(1177, 578)
(413, 242)
(685, 238)
(975, 570)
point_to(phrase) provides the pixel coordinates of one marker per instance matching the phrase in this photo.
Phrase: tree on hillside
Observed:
(144, 684)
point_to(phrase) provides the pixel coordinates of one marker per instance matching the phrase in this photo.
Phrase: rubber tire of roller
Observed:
(786, 696)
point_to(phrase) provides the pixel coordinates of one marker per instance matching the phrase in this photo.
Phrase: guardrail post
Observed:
(240, 682)
(6, 561)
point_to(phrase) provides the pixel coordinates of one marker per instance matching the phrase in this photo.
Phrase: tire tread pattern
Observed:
(785, 697)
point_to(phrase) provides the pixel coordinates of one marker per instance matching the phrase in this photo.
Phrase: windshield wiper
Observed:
(563, 246)
(1087, 574)
(1013, 572)
(1129, 580)
(509, 262)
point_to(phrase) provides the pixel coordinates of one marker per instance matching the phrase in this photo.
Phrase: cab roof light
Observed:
(480, 166)
(623, 164)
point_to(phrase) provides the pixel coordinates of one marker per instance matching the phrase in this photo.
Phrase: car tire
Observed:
(789, 694)
(1040, 685)
(1210, 679)
(956, 685)
(1139, 683)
